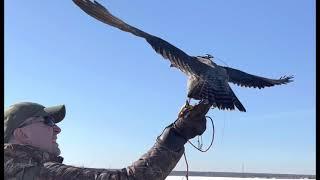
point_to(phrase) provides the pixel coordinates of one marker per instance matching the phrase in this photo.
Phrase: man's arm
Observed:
(156, 164)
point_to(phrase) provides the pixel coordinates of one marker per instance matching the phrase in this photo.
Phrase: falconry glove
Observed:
(190, 123)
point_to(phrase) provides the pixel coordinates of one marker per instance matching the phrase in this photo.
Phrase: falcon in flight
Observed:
(206, 79)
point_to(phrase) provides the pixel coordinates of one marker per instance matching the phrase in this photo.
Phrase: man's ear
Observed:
(20, 136)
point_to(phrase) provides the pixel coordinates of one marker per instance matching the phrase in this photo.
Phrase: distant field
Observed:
(235, 176)
(218, 178)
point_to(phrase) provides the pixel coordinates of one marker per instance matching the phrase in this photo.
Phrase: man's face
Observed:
(41, 135)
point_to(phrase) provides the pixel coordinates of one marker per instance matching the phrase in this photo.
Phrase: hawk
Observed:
(206, 80)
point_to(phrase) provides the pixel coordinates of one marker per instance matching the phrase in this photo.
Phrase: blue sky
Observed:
(120, 94)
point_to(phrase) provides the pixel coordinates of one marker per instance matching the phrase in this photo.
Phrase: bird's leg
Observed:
(213, 106)
(188, 101)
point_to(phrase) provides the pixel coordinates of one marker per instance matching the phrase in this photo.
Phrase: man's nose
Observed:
(56, 129)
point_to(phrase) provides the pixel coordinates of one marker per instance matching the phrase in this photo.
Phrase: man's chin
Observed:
(55, 149)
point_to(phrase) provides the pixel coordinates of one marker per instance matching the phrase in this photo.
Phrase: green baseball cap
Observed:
(19, 112)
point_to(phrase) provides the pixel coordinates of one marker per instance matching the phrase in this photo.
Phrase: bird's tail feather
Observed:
(216, 94)
(221, 100)
(236, 102)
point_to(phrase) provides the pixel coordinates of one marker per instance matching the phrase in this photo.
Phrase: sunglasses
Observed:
(47, 120)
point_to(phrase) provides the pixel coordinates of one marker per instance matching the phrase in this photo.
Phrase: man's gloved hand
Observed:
(190, 123)
(191, 120)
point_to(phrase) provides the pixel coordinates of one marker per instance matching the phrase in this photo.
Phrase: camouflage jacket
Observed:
(23, 162)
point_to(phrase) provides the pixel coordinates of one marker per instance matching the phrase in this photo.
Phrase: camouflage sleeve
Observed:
(59, 171)
(156, 164)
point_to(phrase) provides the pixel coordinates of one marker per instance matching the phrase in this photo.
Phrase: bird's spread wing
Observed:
(244, 79)
(178, 58)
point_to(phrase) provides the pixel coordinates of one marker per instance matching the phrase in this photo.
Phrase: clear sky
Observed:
(120, 94)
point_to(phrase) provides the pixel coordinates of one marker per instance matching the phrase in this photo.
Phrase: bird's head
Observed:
(207, 59)
(207, 56)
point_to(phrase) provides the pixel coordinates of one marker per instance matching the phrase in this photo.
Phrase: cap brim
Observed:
(57, 112)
